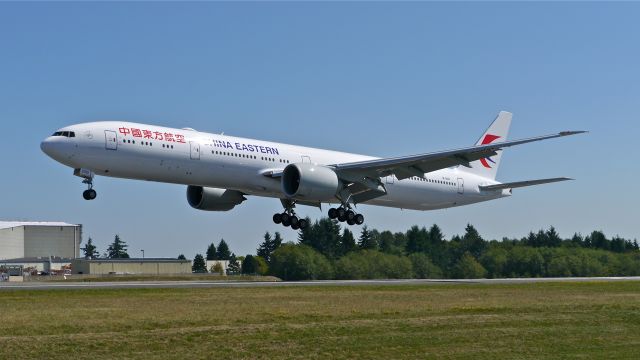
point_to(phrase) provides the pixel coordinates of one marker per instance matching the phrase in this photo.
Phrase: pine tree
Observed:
(553, 239)
(366, 240)
(435, 235)
(264, 249)
(223, 252)
(472, 241)
(211, 252)
(182, 257)
(348, 241)
(90, 250)
(417, 239)
(249, 265)
(118, 249)
(277, 239)
(233, 267)
(269, 245)
(199, 265)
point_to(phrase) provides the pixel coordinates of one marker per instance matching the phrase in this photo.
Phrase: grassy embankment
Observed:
(545, 320)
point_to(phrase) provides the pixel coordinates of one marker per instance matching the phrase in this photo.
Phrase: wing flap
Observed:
(519, 184)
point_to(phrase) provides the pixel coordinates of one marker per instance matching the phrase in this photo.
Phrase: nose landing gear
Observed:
(89, 194)
(88, 176)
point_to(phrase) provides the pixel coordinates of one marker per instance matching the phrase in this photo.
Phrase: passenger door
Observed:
(460, 186)
(110, 140)
(195, 150)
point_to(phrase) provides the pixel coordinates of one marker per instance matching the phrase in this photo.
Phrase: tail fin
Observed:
(496, 133)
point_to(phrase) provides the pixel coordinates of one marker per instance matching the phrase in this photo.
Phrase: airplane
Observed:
(220, 171)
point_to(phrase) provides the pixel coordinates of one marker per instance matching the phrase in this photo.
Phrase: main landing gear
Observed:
(289, 218)
(346, 215)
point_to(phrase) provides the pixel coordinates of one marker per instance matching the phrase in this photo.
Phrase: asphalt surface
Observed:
(33, 285)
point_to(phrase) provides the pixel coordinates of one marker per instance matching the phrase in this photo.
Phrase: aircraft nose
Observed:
(56, 148)
(46, 146)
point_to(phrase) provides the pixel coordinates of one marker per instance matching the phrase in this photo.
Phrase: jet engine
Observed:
(213, 199)
(310, 182)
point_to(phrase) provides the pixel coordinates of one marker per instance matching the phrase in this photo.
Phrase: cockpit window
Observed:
(64, 133)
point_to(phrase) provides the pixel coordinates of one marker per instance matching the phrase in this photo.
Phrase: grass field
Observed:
(542, 320)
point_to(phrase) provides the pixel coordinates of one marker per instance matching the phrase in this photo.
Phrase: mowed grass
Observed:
(544, 320)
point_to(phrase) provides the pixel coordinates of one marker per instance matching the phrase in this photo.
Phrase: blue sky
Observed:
(377, 78)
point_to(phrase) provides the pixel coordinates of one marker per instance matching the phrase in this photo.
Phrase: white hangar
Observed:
(19, 239)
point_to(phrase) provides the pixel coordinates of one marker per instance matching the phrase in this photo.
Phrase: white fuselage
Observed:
(184, 156)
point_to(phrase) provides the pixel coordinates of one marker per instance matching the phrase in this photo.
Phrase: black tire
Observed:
(350, 215)
(92, 194)
(342, 218)
(85, 195)
(295, 226)
(359, 219)
(351, 221)
(333, 213)
(277, 218)
(303, 223)
(286, 222)
(285, 217)
(294, 221)
(341, 213)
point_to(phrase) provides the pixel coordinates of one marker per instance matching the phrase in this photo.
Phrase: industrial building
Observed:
(149, 266)
(28, 240)
(39, 264)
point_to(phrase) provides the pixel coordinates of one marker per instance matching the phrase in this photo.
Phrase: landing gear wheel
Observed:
(342, 218)
(284, 217)
(333, 213)
(359, 219)
(350, 215)
(277, 218)
(89, 194)
(351, 221)
(294, 222)
(295, 226)
(303, 223)
(342, 213)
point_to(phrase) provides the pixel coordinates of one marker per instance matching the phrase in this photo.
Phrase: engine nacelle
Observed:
(310, 182)
(213, 199)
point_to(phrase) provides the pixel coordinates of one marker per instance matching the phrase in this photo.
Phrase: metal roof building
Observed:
(30, 239)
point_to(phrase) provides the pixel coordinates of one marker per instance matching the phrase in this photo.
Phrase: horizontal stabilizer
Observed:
(518, 184)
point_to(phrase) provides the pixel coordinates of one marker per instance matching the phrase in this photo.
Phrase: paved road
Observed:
(227, 284)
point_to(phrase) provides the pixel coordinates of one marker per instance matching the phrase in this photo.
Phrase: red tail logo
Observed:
(488, 139)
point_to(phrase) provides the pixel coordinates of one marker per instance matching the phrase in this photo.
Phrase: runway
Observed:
(247, 284)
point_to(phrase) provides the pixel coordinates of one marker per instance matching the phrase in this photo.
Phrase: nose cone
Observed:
(57, 148)
(47, 147)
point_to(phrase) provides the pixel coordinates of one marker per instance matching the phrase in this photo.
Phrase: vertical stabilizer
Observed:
(496, 133)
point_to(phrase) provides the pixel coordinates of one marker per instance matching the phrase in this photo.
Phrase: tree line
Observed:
(324, 250)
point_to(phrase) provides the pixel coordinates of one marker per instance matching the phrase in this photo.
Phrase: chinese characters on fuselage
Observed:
(153, 135)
